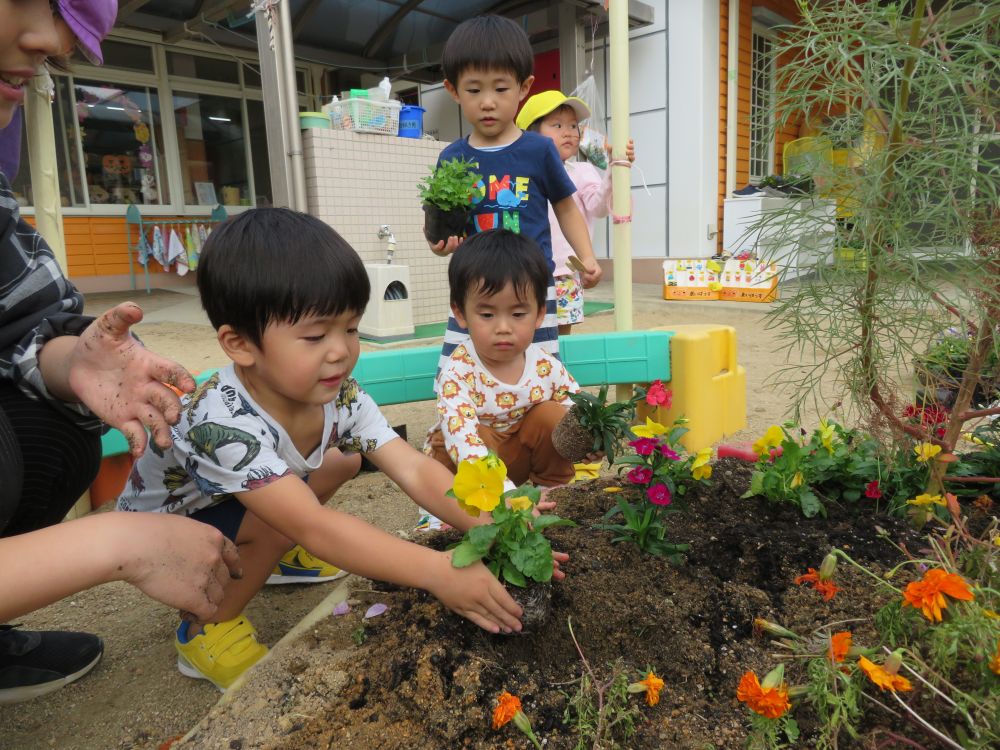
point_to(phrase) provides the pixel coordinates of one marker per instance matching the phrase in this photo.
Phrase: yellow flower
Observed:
(650, 430)
(521, 503)
(826, 433)
(479, 484)
(771, 439)
(926, 500)
(926, 451)
(796, 480)
(701, 469)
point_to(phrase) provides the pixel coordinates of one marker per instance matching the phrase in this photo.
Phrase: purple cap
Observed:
(90, 20)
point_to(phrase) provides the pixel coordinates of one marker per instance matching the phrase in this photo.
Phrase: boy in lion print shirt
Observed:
(498, 391)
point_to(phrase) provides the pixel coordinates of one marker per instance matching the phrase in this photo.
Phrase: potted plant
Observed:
(512, 546)
(446, 193)
(592, 425)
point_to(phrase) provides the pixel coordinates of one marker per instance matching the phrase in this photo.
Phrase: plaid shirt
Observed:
(37, 303)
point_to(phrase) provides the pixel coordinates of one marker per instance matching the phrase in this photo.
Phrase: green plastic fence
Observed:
(399, 376)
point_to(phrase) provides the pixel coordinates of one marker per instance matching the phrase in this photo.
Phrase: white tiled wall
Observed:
(358, 181)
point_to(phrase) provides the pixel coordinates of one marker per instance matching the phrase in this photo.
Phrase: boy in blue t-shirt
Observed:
(487, 64)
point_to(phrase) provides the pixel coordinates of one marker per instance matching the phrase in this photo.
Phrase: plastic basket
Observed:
(368, 116)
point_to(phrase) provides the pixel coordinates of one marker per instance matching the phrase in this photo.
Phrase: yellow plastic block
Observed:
(709, 387)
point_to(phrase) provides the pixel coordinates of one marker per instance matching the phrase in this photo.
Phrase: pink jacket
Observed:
(592, 197)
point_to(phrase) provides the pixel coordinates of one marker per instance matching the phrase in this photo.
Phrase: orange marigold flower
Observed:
(824, 586)
(995, 661)
(653, 687)
(885, 679)
(771, 702)
(928, 594)
(507, 707)
(840, 644)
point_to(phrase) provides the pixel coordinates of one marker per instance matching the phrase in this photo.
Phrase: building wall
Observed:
(358, 181)
(788, 10)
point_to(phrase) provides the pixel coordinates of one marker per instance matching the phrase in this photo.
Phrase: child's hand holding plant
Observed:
(512, 546)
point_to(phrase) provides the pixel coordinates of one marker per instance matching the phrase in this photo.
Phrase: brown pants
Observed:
(526, 448)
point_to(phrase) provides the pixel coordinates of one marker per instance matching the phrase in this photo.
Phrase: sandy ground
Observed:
(136, 698)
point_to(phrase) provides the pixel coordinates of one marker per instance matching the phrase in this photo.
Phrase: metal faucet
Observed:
(385, 233)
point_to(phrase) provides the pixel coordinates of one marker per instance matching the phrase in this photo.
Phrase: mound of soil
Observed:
(424, 678)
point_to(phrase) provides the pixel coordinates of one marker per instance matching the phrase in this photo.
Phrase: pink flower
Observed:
(657, 395)
(640, 475)
(644, 446)
(667, 452)
(658, 494)
(872, 490)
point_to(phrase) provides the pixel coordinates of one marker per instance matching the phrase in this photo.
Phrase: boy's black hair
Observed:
(488, 43)
(272, 265)
(489, 261)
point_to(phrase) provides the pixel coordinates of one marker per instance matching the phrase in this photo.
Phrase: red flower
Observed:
(640, 475)
(644, 446)
(657, 395)
(872, 490)
(659, 494)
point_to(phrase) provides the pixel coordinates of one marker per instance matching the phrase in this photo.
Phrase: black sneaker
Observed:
(35, 663)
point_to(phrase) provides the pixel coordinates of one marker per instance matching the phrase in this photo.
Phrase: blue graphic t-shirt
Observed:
(519, 181)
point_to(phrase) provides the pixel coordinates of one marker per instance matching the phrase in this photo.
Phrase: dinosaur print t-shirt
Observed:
(225, 444)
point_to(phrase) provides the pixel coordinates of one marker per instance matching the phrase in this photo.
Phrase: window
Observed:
(210, 136)
(761, 111)
(71, 186)
(122, 143)
(202, 68)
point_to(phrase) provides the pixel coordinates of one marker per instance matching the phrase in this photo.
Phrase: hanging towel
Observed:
(203, 234)
(190, 246)
(175, 248)
(158, 248)
(182, 260)
(143, 250)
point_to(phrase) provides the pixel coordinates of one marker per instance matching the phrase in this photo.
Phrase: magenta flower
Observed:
(640, 475)
(658, 494)
(657, 395)
(644, 446)
(667, 452)
(873, 491)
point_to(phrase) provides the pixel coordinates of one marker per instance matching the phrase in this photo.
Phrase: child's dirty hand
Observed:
(592, 276)
(594, 458)
(476, 594)
(446, 247)
(558, 558)
(123, 383)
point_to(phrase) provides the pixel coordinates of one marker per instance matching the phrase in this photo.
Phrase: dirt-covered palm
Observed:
(123, 383)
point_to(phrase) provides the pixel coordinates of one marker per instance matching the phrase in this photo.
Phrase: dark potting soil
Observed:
(424, 678)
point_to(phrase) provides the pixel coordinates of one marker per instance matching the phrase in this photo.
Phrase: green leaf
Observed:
(543, 522)
(514, 576)
(809, 503)
(482, 537)
(756, 485)
(534, 557)
(465, 554)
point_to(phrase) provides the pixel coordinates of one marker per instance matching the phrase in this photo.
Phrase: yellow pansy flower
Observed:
(927, 500)
(650, 430)
(796, 480)
(479, 484)
(826, 433)
(771, 439)
(926, 451)
(521, 503)
(701, 469)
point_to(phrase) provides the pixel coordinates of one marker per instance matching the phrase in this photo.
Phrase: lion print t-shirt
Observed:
(225, 443)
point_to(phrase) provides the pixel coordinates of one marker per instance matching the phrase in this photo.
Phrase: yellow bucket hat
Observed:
(542, 104)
